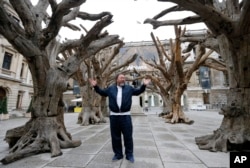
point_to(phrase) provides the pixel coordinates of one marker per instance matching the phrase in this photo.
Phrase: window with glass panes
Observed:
(7, 60)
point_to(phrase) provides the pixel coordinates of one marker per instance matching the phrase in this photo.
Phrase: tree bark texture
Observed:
(233, 134)
(46, 130)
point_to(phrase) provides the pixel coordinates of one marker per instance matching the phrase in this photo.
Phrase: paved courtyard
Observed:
(156, 144)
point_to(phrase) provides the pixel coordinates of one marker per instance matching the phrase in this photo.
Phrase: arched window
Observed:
(2, 93)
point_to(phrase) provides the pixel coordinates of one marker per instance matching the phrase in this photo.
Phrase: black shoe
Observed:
(115, 158)
(131, 159)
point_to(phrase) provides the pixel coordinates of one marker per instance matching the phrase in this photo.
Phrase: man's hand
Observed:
(92, 82)
(146, 81)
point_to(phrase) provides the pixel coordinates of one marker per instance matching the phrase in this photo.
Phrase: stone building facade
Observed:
(15, 78)
(198, 98)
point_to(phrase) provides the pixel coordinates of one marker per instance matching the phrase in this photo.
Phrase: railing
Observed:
(206, 106)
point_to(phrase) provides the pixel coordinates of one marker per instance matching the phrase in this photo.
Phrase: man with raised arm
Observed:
(120, 101)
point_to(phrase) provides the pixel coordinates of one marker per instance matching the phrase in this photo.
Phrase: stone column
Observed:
(152, 100)
(136, 109)
(145, 99)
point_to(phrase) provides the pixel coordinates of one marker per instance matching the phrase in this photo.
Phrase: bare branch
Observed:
(92, 35)
(158, 83)
(199, 51)
(86, 31)
(8, 27)
(72, 63)
(178, 58)
(207, 40)
(215, 64)
(104, 42)
(41, 15)
(92, 17)
(115, 52)
(70, 44)
(187, 20)
(75, 13)
(205, 56)
(129, 61)
(244, 22)
(164, 51)
(56, 21)
(23, 8)
(162, 63)
(159, 67)
(72, 26)
(216, 21)
(185, 57)
(96, 29)
(70, 16)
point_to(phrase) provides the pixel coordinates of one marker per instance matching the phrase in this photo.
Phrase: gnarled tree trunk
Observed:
(37, 42)
(88, 113)
(177, 115)
(235, 127)
(45, 131)
(166, 105)
(104, 107)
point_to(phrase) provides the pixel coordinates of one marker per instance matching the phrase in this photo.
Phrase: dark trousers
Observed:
(121, 125)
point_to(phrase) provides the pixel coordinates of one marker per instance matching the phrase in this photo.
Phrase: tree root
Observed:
(233, 134)
(214, 142)
(44, 135)
(173, 118)
(89, 117)
(38, 146)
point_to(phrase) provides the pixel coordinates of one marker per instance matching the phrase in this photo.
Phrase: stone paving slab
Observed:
(156, 144)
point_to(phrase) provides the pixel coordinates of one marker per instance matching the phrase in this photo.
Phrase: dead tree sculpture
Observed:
(228, 34)
(45, 131)
(176, 73)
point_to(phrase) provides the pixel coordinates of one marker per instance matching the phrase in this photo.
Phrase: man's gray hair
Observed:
(117, 75)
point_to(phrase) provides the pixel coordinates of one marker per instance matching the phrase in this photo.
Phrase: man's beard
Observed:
(121, 84)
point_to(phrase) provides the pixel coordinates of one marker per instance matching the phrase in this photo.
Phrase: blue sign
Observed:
(76, 89)
(204, 77)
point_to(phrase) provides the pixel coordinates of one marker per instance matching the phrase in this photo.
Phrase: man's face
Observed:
(120, 80)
